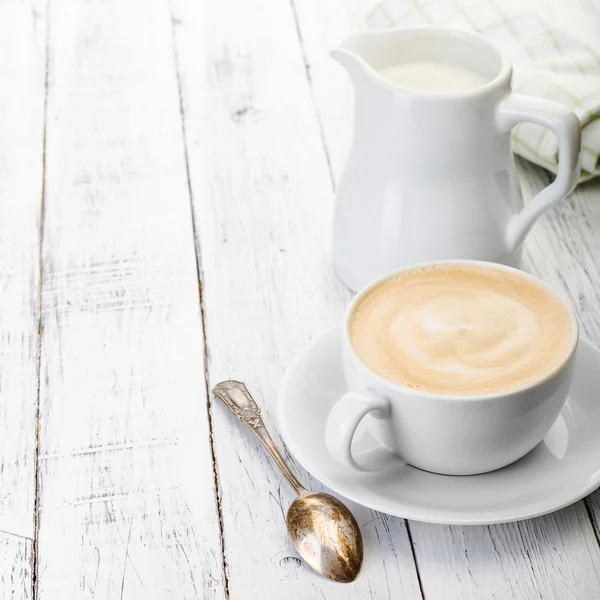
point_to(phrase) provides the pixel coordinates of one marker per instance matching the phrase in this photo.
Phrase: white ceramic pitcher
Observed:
(431, 175)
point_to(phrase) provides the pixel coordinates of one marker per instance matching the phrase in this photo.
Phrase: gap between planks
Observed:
(200, 278)
(312, 93)
(36, 452)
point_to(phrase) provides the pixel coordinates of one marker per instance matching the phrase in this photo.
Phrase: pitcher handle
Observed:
(565, 125)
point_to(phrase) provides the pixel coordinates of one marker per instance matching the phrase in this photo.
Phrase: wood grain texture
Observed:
(262, 199)
(16, 567)
(22, 57)
(523, 560)
(547, 558)
(21, 124)
(322, 26)
(127, 494)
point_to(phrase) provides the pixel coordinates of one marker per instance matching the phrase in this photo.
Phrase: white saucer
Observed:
(562, 469)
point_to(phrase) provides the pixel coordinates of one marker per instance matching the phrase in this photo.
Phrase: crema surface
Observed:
(461, 330)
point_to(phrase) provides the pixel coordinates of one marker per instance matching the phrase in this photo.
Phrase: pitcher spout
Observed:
(362, 54)
(354, 65)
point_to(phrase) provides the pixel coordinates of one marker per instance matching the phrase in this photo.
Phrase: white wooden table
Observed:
(167, 171)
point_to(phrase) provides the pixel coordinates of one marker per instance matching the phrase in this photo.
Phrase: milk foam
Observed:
(461, 330)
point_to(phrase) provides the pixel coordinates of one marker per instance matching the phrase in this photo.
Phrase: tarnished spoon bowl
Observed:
(326, 535)
(322, 530)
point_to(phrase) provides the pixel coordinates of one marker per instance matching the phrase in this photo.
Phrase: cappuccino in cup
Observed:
(455, 367)
(461, 330)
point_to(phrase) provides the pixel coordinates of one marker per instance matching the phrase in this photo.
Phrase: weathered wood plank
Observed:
(564, 249)
(16, 567)
(550, 557)
(262, 198)
(322, 26)
(127, 493)
(22, 58)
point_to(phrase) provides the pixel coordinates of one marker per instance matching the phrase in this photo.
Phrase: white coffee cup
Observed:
(447, 434)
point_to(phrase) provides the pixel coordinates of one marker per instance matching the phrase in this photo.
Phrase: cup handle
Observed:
(341, 425)
(565, 125)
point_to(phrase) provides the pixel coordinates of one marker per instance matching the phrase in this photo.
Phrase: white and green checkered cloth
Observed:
(548, 63)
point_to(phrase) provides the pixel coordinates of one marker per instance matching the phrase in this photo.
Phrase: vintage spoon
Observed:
(321, 528)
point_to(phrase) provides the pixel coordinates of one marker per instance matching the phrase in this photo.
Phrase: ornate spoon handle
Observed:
(236, 397)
